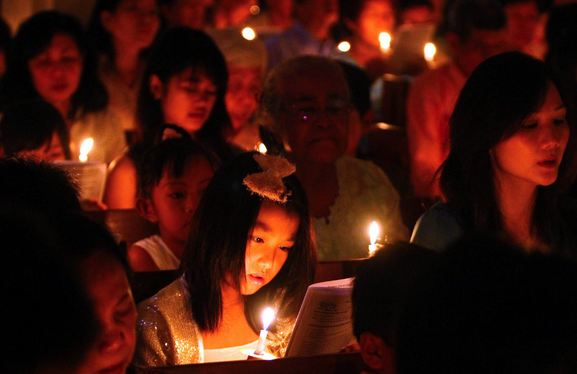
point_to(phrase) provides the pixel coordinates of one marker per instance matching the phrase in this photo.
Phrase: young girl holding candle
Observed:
(512, 155)
(51, 60)
(172, 178)
(250, 247)
(180, 86)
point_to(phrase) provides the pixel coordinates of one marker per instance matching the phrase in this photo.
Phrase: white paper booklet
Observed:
(90, 177)
(324, 323)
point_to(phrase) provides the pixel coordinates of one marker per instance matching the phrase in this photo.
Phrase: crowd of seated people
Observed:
(240, 131)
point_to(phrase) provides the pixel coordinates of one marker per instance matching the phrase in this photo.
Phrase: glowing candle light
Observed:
(85, 148)
(385, 40)
(261, 148)
(429, 52)
(344, 46)
(248, 33)
(267, 316)
(374, 232)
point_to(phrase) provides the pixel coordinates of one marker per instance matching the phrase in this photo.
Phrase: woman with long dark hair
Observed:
(512, 155)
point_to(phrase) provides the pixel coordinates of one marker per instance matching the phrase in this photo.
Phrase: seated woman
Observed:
(306, 102)
(122, 31)
(181, 87)
(51, 60)
(511, 155)
(250, 246)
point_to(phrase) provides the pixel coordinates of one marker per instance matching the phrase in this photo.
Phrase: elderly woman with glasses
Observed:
(307, 105)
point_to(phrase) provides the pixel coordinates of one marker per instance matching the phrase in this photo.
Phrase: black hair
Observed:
(217, 243)
(359, 84)
(461, 17)
(175, 50)
(33, 36)
(29, 125)
(44, 186)
(499, 95)
(170, 156)
(5, 37)
(381, 284)
(491, 308)
(408, 4)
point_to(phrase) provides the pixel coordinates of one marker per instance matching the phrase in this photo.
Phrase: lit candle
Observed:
(344, 46)
(267, 318)
(385, 42)
(85, 148)
(429, 52)
(261, 148)
(374, 231)
(248, 33)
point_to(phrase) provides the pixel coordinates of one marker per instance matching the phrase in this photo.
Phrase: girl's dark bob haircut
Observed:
(176, 50)
(502, 92)
(33, 37)
(216, 248)
(170, 156)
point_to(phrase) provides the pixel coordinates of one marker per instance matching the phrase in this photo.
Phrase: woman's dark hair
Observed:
(35, 35)
(29, 125)
(216, 248)
(499, 95)
(170, 155)
(176, 50)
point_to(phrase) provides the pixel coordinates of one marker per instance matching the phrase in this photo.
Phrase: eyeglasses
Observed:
(306, 114)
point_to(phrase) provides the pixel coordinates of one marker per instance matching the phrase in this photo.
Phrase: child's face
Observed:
(268, 246)
(107, 285)
(174, 200)
(187, 99)
(56, 71)
(51, 151)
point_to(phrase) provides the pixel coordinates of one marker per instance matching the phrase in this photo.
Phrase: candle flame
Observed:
(267, 316)
(344, 46)
(429, 52)
(385, 41)
(374, 231)
(261, 148)
(248, 33)
(85, 148)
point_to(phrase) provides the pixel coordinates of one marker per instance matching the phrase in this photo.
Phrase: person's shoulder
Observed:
(433, 77)
(362, 171)
(165, 299)
(437, 227)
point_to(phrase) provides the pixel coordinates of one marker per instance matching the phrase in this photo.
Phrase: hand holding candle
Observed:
(268, 316)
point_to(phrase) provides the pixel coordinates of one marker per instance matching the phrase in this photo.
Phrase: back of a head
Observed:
(42, 185)
(490, 308)
(381, 285)
(29, 125)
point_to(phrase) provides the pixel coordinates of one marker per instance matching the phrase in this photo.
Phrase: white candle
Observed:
(85, 148)
(267, 316)
(385, 42)
(374, 231)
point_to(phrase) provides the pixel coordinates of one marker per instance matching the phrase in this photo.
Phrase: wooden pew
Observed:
(338, 363)
(125, 224)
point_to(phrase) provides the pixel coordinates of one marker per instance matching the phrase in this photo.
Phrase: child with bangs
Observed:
(172, 178)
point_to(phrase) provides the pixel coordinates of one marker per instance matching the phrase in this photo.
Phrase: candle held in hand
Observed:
(267, 316)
